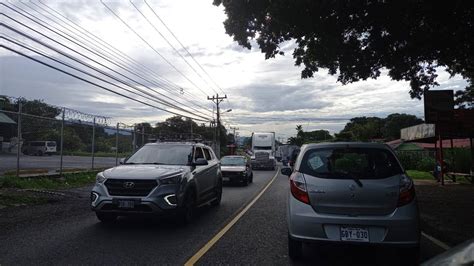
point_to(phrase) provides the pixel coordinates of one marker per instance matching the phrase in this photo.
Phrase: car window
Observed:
(363, 163)
(162, 154)
(198, 153)
(233, 161)
(207, 154)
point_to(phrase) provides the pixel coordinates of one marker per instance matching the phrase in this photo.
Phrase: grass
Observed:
(420, 175)
(68, 181)
(423, 175)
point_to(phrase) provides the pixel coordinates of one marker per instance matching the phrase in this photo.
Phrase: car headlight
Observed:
(170, 180)
(100, 178)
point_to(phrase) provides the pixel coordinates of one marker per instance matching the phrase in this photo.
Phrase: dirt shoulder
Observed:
(446, 212)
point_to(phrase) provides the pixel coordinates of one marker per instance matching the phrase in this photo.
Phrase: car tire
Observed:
(106, 217)
(246, 181)
(251, 178)
(186, 211)
(218, 199)
(295, 248)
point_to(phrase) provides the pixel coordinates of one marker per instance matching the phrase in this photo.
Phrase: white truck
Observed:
(263, 150)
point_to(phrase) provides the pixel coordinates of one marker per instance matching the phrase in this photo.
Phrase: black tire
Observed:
(246, 181)
(295, 248)
(251, 177)
(218, 199)
(185, 213)
(106, 217)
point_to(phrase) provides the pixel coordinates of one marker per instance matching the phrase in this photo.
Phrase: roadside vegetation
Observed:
(48, 183)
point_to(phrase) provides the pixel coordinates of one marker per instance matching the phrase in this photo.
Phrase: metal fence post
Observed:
(93, 143)
(18, 141)
(116, 144)
(62, 144)
(143, 135)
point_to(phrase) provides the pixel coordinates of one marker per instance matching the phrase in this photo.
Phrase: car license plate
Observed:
(126, 204)
(360, 234)
(225, 179)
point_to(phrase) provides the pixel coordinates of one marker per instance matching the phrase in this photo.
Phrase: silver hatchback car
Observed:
(351, 193)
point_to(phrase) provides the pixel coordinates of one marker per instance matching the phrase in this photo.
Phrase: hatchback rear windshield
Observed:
(359, 163)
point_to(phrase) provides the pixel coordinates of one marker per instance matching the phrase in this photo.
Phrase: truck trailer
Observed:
(263, 150)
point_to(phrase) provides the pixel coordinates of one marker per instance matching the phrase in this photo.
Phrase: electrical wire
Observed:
(83, 54)
(117, 54)
(90, 82)
(170, 44)
(151, 47)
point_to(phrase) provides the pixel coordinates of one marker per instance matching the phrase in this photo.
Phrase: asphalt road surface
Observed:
(67, 232)
(51, 163)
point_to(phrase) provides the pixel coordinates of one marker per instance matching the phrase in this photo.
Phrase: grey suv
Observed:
(160, 178)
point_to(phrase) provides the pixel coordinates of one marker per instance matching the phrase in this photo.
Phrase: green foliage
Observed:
(425, 164)
(69, 181)
(393, 123)
(459, 159)
(420, 175)
(355, 40)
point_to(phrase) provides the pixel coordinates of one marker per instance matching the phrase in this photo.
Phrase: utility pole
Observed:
(217, 100)
(234, 129)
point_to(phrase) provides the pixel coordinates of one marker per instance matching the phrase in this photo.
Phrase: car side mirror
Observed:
(122, 160)
(200, 161)
(286, 171)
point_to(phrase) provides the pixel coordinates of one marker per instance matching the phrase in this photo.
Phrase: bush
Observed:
(425, 164)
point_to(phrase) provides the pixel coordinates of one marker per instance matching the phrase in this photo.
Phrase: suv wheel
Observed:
(295, 248)
(251, 177)
(106, 217)
(186, 212)
(218, 199)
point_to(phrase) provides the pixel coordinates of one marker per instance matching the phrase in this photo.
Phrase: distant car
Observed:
(39, 148)
(351, 193)
(236, 169)
(293, 157)
(159, 179)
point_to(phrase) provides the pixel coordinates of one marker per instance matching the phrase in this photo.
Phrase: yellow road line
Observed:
(226, 228)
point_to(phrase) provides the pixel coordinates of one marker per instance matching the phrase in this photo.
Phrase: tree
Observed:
(355, 40)
(395, 122)
(362, 128)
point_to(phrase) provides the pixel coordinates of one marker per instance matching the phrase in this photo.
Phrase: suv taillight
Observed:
(407, 191)
(298, 187)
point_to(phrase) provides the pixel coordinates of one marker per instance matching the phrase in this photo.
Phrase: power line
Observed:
(149, 45)
(170, 44)
(176, 38)
(90, 82)
(87, 56)
(121, 56)
(69, 56)
(86, 73)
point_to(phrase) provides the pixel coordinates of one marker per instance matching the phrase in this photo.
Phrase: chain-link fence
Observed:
(63, 140)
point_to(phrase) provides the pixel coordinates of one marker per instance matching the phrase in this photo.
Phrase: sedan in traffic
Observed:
(236, 169)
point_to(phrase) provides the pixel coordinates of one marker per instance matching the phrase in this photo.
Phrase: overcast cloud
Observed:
(264, 94)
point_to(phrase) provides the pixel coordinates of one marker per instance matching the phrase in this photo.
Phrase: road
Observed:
(69, 233)
(51, 163)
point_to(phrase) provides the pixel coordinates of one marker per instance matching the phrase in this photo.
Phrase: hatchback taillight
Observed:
(407, 191)
(298, 187)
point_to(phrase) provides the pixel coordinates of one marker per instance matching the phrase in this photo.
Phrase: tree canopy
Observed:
(355, 40)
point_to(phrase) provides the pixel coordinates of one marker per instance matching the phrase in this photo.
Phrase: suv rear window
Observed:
(360, 163)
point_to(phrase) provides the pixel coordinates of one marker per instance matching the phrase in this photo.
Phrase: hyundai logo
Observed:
(128, 184)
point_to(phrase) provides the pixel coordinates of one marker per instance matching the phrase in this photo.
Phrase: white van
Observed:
(39, 148)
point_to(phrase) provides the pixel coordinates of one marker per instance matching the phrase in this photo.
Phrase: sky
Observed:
(264, 95)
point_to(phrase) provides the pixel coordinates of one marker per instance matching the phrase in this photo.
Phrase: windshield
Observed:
(51, 144)
(363, 163)
(162, 154)
(232, 161)
(262, 147)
